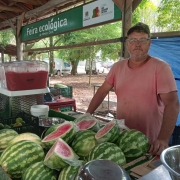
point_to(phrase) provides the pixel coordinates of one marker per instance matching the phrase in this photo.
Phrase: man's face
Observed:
(138, 44)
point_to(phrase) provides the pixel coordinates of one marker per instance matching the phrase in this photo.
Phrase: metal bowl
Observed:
(50, 121)
(102, 170)
(170, 158)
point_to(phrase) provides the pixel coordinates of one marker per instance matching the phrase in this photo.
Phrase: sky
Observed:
(156, 2)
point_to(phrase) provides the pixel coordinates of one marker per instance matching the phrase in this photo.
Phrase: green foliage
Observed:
(145, 12)
(169, 13)
(137, 14)
(6, 37)
(109, 31)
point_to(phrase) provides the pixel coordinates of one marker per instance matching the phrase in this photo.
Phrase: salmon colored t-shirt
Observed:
(137, 90)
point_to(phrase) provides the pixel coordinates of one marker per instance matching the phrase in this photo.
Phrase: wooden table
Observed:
(62, 102)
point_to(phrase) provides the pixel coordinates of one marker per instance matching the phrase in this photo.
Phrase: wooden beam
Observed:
(120, 4)
(75, 45)
(3, 16)
(20, 22)
(13, 27)
(39, 11)
(135, 4)
(10, 8)
(165, 34)
(32, 2)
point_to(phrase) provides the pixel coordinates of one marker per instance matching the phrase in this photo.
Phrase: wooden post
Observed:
(19, 49)
(127, 24)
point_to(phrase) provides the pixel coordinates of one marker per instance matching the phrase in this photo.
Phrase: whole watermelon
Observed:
(39, 171)
(133, 143)
(70, 172)
(6, 135)
(19, 156)
(83, 142)
(109, 151)
(26, 136)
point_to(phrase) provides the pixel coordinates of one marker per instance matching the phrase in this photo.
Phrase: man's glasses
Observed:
(141, 41)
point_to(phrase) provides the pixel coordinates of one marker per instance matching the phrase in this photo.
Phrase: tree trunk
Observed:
(74, 67)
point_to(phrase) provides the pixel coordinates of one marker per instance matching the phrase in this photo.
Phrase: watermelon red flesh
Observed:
(85, 124)
(60, 148)
(63, 149)
(104, 130)
(59, 132)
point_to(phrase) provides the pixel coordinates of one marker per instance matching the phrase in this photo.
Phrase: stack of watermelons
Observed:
(66, 147)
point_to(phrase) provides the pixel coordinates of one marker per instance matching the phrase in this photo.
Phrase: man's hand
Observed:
(158, 146)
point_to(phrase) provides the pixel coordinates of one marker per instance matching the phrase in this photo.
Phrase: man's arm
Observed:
(170, 115)
(99, 97)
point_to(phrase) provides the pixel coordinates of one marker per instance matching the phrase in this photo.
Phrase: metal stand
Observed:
(21, 100)
(99, 85)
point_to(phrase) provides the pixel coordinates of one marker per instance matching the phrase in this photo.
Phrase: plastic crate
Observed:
(53, 113)
(4, 106)
(65, 109)
(10, 106)
(55, 91)
(66, 92)
(175, 138)
(31, 123)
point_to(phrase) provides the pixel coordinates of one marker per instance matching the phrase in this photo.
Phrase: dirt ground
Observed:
(82, 91)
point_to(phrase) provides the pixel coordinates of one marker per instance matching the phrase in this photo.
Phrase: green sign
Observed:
(72, 20)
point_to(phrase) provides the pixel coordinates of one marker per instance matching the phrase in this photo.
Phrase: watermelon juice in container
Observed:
(26, 75)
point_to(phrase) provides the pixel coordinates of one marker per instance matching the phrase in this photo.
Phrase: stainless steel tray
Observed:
(50, 121)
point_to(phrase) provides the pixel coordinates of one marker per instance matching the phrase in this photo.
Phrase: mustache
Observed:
(137, 49)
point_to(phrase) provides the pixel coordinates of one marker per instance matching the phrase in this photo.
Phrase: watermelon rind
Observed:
(108, 133)
(85, 116)
(91, 124)
(108, 151)
(17, 157)
(56, 159)
(6, 135)
(133, 143)
(39, 171)
(70, 172)
(83, 142)
(67, 135)
(26, 136)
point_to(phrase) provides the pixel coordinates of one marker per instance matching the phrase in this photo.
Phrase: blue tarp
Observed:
(168, 49)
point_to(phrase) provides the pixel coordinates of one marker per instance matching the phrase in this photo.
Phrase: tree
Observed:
(147, 13)
(6, 37)
(74, 55)
(169, 15)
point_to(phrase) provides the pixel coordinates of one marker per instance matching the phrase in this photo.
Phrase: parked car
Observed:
(60, 66)
(108, 63)
(97, 67)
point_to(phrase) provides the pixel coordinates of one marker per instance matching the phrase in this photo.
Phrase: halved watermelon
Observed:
(51, 129)
(66, 131)
(108, 133)
(88, 124)
(60, 155)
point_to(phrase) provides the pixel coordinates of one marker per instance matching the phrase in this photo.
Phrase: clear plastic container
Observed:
(2, 77)
(25, 75)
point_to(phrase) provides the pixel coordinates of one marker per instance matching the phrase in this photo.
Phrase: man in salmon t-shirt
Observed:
(146, 91)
